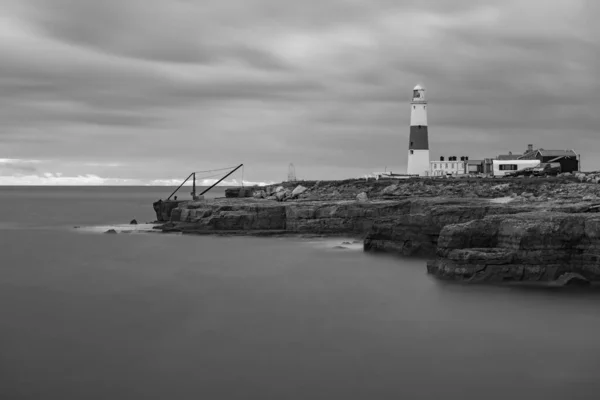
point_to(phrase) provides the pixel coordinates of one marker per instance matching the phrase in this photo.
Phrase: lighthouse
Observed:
(418, 146)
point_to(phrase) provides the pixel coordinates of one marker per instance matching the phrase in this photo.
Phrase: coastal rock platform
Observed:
(482, 231)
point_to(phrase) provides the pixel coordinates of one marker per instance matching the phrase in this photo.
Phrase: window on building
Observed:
(446, 166)
(411, 152)
(434, 166)
(508, 167)
(453, 166)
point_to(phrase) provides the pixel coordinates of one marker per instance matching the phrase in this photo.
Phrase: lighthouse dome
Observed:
(419, 93)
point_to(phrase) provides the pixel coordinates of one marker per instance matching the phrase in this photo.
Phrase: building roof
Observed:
(508, 157)
(530, 155)
(557, 153)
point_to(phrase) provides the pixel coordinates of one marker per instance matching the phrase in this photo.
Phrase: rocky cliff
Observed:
(533, 246)
(479, 230)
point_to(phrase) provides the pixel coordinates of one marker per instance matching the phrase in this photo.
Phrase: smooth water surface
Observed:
(154, 316)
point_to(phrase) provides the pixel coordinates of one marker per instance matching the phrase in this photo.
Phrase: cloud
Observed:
(57, 179)
(15, 166)
(149, 90)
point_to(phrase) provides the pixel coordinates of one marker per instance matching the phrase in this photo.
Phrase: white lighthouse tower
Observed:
(418, 147)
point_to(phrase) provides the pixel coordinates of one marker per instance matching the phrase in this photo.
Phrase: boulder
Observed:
(389, 189)
(112, 231)
(571, 279)
(259, 194)
(133, 222)
(280, 195)
(503, 186)
(362, 197)
(298, 191)
(279, 189)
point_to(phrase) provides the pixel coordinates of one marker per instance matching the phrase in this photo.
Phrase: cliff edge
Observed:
(477, 230)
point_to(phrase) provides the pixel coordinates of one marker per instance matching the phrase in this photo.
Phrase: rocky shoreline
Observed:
(473, 230)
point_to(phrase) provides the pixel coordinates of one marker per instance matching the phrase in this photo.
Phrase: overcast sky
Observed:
(141, 91)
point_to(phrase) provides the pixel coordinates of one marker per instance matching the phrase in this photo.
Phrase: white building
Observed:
(450, 167)
(503, 167)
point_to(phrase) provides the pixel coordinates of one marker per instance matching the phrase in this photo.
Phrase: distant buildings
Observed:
(505, 163)
(452, 166)
(569, 160)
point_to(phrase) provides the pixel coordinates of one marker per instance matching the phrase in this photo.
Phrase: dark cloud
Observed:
(324, 84)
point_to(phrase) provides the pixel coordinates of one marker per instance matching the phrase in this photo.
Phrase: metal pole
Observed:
(219, 181)
(194, 186)
(179, 187)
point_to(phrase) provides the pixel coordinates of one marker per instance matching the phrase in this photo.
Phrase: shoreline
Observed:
(483, 230)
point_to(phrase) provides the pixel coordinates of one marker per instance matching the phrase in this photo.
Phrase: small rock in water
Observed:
(572, 279)
(76, 227)
(133, 222)
(346, 243)
(339, 247)
(111, 231)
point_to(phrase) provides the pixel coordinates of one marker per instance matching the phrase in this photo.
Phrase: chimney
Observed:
(442, 158)
(529, 147)
(510, 153)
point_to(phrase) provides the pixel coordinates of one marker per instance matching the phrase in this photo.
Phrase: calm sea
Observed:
(84, 315)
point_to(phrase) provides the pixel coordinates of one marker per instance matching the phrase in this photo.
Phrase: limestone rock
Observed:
(536, 246)
(362, 196)
(280, 195)
(571, 279)
(298, 191)
(389, 189)
(259, 194)
(501, 187)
